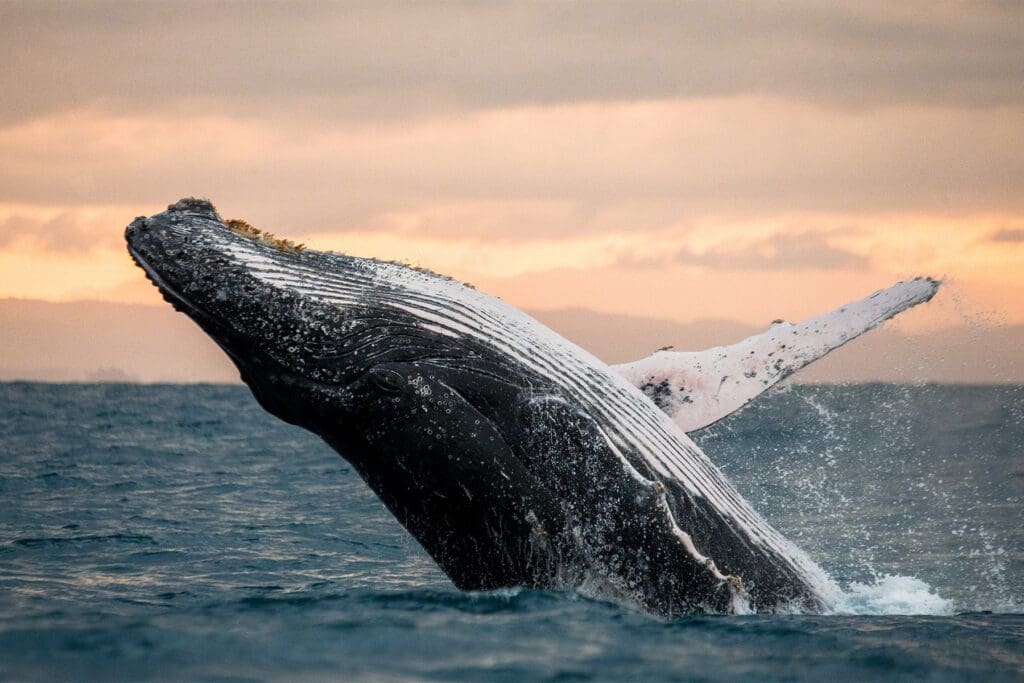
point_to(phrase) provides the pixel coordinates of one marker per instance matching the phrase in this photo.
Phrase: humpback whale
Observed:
(513, 456)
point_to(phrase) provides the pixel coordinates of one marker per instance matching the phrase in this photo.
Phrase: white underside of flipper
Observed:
(697, 388)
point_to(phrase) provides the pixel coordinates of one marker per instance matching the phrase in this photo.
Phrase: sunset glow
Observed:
(742, 185)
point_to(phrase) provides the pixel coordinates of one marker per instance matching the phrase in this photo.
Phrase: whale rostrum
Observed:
(513, 456)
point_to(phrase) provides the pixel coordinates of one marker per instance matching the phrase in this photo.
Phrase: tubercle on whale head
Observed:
(204, 207)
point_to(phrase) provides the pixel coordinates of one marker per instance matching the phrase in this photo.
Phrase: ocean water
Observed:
(180, 533)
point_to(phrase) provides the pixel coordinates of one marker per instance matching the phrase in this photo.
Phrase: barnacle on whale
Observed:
(248, 230)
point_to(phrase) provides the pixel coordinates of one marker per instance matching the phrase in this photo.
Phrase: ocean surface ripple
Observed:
(180, 533)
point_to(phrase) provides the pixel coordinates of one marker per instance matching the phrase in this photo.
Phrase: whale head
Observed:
(305, 329)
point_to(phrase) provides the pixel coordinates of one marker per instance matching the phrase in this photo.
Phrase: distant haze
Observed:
(101, 341)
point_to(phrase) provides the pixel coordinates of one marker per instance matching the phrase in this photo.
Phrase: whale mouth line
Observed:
(179, 302)
(173, 296)
(160, 283)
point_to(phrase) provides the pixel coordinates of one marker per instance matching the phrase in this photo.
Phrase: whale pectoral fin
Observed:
(699, 388)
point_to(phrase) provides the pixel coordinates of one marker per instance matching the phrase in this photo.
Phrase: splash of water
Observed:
(893, 595)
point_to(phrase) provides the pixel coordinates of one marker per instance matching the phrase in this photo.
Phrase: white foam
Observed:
(893, 595)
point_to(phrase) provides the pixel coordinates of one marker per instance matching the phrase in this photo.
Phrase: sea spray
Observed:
(893, 595)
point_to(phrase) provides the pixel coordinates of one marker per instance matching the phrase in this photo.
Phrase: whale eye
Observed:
(388, 380)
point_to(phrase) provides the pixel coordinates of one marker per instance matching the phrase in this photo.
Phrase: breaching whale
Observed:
(513, 456)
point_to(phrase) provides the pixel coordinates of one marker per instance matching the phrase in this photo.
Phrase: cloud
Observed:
(1008, 235)
(789, 252)
(781, 252)
(63, 232)
(527, 172)
(374, 61)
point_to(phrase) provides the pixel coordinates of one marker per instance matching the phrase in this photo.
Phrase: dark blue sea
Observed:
(180, 533)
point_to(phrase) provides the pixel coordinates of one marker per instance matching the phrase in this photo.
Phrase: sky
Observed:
(681, 161)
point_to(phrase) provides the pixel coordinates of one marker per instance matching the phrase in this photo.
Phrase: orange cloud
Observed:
(744, 203)
(736, 270)
(669, 160)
